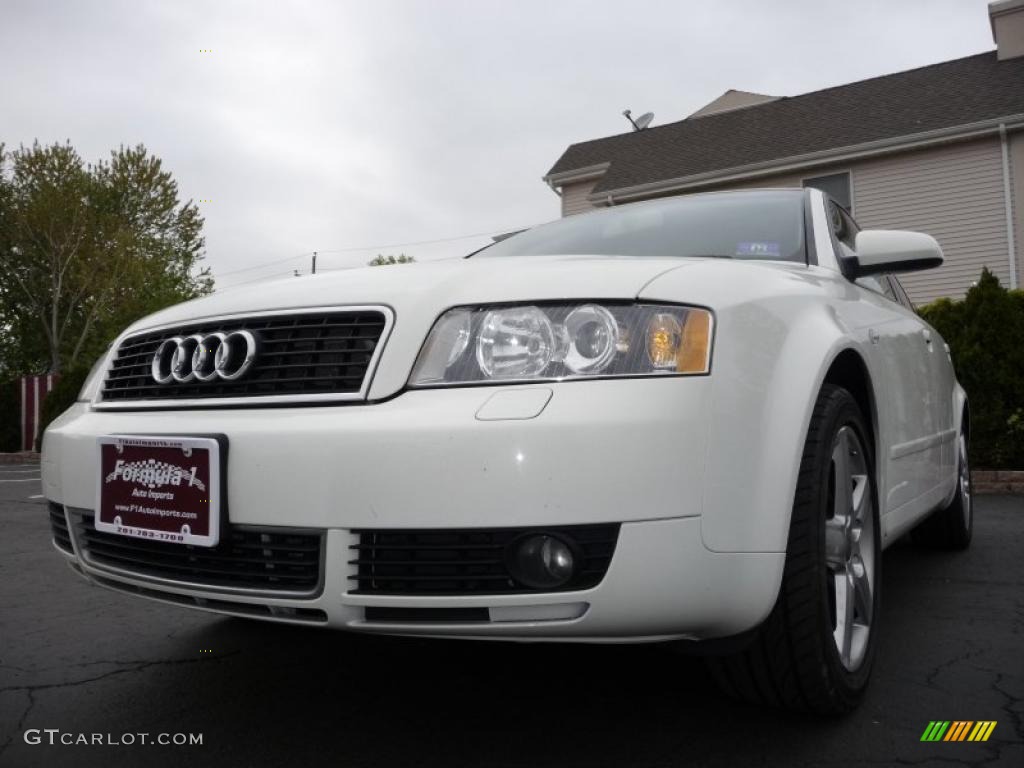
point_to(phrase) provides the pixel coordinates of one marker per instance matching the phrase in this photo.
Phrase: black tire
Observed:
(951, 528)
(793, 661)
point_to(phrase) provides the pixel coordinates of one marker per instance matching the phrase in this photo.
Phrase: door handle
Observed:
(927, 336)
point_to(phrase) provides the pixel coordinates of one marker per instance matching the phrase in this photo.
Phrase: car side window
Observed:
(879, 284)
(843, 225)
(888, 290)
(901, 293)
(872, 283)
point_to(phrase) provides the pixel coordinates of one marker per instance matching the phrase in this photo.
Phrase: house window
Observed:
(836, 186)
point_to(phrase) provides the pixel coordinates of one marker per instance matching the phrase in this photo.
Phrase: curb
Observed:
(23, 457)
(998, 481)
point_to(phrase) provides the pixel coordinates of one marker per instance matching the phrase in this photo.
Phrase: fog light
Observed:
(542, 561)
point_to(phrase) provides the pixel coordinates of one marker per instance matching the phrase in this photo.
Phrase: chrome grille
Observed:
(310, 355)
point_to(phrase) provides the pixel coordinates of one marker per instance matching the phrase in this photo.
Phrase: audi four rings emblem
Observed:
(202, 357)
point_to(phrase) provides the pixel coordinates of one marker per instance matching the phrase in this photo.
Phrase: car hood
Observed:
(434, 286)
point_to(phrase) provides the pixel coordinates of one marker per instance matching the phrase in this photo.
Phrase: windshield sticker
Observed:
(756, 250)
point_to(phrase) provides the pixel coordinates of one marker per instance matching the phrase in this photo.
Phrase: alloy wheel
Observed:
(850, 548)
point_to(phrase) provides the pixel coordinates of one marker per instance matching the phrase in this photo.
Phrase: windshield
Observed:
(764, 224)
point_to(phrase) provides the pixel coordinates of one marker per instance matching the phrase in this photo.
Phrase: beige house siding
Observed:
(1007, 19)
(781, 180)
(1016, 148)
(574, 197)
(955, 194)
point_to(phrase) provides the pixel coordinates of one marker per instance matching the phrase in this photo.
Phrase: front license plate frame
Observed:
(161, 489)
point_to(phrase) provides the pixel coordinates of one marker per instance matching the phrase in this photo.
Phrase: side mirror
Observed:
(881, 250)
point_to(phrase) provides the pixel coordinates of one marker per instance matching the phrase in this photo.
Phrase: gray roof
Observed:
(940, 96)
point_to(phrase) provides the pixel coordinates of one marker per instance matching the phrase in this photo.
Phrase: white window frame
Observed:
(849, 175)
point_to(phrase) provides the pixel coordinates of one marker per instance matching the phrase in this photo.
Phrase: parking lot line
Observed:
(22, 480)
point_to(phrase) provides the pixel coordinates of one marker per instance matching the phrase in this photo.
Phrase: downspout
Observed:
(1008, 204)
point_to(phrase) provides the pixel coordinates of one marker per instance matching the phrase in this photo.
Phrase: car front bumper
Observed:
(627, 452)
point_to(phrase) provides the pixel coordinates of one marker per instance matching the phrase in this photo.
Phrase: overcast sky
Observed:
(332, 126)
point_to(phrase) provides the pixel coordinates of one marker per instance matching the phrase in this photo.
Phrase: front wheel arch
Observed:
(849, 371)
(792, 660)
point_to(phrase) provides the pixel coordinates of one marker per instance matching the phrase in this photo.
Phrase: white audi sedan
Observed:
(697, 419)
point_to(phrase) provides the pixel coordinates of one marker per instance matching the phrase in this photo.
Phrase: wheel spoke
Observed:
(860, 498)
(835, 543)
(842, 503)
(844, 615)
(862, 593)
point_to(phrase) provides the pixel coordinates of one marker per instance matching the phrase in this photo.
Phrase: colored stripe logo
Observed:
(958, 730)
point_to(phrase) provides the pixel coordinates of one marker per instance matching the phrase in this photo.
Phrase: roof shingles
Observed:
(946, 95)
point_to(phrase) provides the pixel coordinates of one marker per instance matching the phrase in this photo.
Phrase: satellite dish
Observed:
(644, 120)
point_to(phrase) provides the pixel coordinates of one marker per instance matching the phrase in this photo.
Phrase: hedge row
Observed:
(985, 333)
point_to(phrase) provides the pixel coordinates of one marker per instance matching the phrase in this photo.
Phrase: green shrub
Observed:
(62, 396)
(985, 333)
(10, 412)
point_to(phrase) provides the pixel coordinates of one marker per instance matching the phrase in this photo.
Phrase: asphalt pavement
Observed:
(77, 660)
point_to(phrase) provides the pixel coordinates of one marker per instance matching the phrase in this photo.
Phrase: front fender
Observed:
(778, 329)
(770, 365)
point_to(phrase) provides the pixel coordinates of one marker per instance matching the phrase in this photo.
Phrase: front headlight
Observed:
(532, 342)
